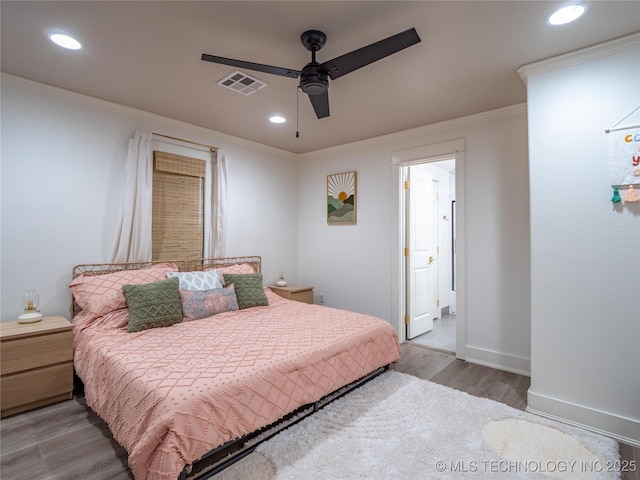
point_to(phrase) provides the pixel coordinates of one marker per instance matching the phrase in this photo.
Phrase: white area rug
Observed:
(400, 427)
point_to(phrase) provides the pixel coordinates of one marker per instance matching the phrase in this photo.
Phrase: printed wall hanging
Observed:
(341, 198)
(624, 161)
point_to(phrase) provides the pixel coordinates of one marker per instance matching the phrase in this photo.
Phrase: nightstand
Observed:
(299, 293)
(36, 364)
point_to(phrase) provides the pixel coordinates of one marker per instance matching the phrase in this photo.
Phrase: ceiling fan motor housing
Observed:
(313, 79)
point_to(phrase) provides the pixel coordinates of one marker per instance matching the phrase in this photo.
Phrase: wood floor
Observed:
(67, 441)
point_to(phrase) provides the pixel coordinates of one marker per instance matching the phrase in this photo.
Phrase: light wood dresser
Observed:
(36, 363)
(299, 293)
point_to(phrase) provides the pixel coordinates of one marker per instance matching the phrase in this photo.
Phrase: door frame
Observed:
(425, 154)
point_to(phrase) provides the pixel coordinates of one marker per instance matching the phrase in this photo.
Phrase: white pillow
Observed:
(198, 280)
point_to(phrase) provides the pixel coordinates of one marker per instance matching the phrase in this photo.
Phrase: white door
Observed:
(422, 232)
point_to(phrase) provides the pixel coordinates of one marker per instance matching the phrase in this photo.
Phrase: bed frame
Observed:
(231, 452)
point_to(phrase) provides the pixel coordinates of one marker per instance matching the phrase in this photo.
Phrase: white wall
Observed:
(354, 265)
(62, 161)
(585, 251)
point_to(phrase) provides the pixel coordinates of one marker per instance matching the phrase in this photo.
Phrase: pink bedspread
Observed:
(169, 395)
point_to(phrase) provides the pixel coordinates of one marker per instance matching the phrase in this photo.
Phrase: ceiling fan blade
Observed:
(362, 57)
(320, 104)
(284, 72)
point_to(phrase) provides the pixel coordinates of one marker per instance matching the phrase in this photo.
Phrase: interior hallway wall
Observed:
(585, 250)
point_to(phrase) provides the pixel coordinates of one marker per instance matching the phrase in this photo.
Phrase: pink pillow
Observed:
(101, 294)
(206, 303)
(239, 268)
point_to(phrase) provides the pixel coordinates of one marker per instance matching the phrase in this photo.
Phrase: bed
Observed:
(186, 399)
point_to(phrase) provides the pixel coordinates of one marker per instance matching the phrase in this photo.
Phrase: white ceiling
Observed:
(147, 55)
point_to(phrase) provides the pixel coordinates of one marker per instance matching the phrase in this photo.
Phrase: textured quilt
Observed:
(171, 394)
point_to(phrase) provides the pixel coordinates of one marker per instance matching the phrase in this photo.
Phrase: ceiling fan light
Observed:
(65, 41)
(567, 14)
(277, 119)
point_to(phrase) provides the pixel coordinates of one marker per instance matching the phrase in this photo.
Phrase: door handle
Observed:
(431, 259)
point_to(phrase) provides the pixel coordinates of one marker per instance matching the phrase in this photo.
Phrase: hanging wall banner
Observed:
(624, 156)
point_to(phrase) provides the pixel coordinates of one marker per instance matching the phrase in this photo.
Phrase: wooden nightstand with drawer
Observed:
(299, 293)
(36, 363)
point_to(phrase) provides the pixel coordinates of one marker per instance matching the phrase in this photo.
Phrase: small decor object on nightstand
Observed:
(281, 282)
(30, 304)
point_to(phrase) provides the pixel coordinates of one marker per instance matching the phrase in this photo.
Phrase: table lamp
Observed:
(30, 303)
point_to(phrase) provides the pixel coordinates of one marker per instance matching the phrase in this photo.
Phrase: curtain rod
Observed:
(211, 149)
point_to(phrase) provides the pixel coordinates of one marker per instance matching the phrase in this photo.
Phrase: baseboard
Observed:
(621, 429)
(498, 360)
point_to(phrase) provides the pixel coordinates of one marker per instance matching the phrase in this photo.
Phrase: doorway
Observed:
(430, 258)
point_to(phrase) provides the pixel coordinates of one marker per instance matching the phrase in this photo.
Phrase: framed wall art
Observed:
(341, 198)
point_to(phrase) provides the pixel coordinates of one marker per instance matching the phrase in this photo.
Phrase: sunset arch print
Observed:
(341, 198)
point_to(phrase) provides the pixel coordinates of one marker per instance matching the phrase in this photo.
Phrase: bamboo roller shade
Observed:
(178, 207)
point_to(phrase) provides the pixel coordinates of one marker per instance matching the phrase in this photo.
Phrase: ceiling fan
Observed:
(314, 76)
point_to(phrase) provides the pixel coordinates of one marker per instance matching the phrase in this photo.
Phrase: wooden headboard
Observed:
(183, 266)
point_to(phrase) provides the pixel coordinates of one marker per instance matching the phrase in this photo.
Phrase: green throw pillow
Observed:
(153, 305)
(249, 289)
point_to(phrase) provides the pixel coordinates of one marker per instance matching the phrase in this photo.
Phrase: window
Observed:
(178, 207)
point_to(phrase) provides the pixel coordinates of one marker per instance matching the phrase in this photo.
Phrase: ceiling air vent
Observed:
(242, 83)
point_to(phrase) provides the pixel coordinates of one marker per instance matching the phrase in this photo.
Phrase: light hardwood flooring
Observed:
(67, 441)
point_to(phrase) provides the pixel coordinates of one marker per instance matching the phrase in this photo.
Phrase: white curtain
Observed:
(133, 239)
(215, 238)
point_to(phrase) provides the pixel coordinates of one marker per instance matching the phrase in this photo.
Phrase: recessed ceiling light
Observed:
(277, 119)
(567, 14)
(65, 41)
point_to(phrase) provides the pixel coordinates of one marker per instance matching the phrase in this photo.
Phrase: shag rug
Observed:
(400, 427)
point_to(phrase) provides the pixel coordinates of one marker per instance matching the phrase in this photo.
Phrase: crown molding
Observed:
(420, 131)
(205, 134)
(576, 57)
(212, 136)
